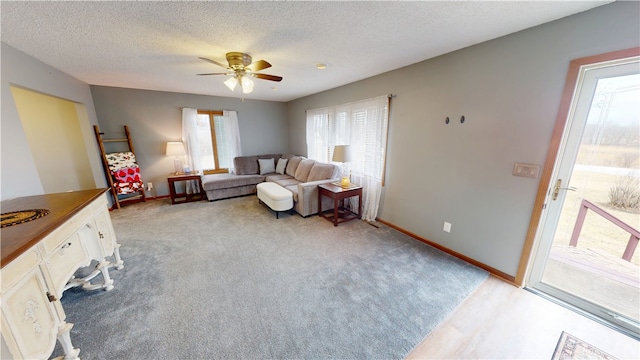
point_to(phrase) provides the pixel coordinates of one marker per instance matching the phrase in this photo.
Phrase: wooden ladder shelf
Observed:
(136, 196)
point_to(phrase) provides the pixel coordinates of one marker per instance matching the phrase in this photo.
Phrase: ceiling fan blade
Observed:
(213, 62)
(215, 74)
(268, 77)
(259, 65)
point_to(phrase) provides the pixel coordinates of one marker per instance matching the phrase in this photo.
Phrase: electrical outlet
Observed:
(149, 186)
(446, 227)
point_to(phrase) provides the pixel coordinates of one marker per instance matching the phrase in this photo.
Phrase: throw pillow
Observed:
(321, 172)
(267, 166)
(302, 172)
(246, 165)
(282, 164)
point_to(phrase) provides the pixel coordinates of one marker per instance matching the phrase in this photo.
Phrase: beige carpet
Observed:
(228, 280)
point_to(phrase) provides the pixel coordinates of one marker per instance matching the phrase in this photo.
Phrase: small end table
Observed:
(338, 194)
(181, 198)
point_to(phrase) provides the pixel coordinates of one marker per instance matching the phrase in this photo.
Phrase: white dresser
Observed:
(39, 259)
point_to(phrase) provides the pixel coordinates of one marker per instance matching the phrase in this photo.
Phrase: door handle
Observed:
(557, 188)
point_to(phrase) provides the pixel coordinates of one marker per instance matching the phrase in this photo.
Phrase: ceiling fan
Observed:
(241, 69)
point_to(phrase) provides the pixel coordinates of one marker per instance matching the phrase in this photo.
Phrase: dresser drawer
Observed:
(54, 240)
(63, 262)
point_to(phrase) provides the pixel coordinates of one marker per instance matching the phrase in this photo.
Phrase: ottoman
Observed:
(275, 196)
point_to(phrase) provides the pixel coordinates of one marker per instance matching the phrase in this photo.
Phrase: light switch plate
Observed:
(526, 170)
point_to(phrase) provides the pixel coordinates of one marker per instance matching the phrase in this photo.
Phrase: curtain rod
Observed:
(184, 107)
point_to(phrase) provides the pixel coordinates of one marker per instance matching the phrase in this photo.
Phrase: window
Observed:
(363, 125)
(211, 140)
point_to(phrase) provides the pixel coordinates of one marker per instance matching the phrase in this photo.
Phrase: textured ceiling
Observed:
(156, 45)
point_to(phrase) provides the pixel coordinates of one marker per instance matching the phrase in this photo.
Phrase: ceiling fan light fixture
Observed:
(245, 81)
(246, 84)
(231, 83)
(242, 69)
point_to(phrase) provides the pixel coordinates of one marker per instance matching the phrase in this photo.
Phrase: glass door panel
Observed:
(590, 225)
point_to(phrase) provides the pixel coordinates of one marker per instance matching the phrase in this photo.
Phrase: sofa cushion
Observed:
(276, 177)
(287, 182)
(267, 166)
(246, 165)
(292, 165)
(294, 191)
(321, 171)
(223, 181)
(303, 169)
(282, 166)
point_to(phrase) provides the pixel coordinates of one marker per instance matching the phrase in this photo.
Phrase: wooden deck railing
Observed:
(586, 205)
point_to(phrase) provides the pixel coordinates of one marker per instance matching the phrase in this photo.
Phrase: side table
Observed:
(338, 194)
(181, 198)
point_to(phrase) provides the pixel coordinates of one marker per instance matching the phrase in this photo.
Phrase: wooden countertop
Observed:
(17, 239)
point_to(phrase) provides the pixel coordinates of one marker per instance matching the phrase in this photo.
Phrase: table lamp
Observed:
(176, 149)
(342, 153)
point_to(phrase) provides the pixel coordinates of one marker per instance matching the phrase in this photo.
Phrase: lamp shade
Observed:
(231, 83)
(175, 148)
(342, 153)
(247, 85)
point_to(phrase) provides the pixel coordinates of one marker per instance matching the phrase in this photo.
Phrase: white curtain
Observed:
(190, 138)
(227, 138)
(191, 144)
(231, 140)
(363, 125)
(319, 145)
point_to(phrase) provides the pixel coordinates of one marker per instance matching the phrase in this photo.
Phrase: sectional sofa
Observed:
(295, 173)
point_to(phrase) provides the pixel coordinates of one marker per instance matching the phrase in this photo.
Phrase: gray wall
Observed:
(154, 117)
(19, 173)
(509, 91)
